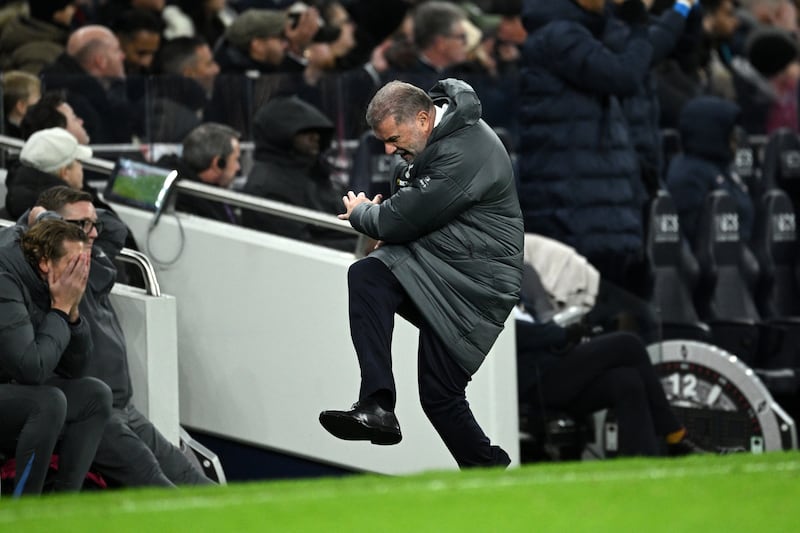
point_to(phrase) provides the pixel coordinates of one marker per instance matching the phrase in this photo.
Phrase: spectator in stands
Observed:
(20, 91)
(255, 41)
(579, 179)
(707, 132)
(132, 451)
(49, 157)
(139, 34)
(341, 29)
(45, 344)
(565, 369)
(179, 95)
(188, 57)
(440, 43)
(291, 137)
(205, 19)
(450, 262)
(29, 42)
(773, 53)
(702, 62)
(210, 155)
(92, 73)
(52, 111)
(641, 108)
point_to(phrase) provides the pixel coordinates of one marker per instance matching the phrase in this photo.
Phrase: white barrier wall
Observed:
(264, 346)
(151, 338)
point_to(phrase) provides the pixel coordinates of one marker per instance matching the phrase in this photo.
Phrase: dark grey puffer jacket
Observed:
(454, 233)
(34, 341)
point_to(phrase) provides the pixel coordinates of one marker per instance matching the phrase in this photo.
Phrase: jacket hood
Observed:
(538, 13)
(464, 108)
(706, 125)
(276, 123)
(12, 260)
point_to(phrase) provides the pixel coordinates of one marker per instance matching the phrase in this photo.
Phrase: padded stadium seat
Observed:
(675, 271)
(775, 246)
(747, 165)
(781, 166)
(778, 296)
(724, 296)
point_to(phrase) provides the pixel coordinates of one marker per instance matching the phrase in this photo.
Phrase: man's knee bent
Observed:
(96, 393)
(52, 405)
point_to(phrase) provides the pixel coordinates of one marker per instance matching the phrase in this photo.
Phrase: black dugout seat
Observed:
(724, 294)
(675, 272)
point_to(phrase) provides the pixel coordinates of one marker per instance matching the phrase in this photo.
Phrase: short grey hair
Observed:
(432, 19)
(398, 99)
(206, 142)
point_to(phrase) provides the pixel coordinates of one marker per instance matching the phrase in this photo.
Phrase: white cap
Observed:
(51, 149)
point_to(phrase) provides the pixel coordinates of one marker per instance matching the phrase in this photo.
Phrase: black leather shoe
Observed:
(365, 421)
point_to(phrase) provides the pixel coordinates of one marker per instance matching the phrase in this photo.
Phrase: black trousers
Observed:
(612, 372)
(133, 453)
(33, 417)
(375, 296)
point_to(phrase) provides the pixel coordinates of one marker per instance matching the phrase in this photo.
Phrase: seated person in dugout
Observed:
(45, 345)
(132, 451)
(560, 368)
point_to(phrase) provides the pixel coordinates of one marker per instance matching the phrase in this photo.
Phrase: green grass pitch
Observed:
(748, 493)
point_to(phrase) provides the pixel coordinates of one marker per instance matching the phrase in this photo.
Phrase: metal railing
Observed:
(209, 192)
(127, 255)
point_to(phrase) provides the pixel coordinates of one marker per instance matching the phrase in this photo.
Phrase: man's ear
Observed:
(44, 265)
(423, 117)
(21, 106)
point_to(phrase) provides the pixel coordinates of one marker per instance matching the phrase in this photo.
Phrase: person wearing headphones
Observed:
(210, 155)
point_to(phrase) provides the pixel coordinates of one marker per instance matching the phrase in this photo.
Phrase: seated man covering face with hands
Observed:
(46, 344)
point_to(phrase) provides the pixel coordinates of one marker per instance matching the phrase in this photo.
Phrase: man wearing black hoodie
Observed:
(291, 137)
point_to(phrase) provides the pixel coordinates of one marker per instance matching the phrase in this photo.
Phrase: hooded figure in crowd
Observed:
(291, 137)
(706, 126)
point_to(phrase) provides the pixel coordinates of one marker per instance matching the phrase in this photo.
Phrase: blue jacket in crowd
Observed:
(579, 175)
(706, 125)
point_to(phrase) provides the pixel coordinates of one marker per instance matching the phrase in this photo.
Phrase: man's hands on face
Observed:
(67, 289)
(352, 200)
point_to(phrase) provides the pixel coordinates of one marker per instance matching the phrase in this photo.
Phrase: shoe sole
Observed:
(345, 428)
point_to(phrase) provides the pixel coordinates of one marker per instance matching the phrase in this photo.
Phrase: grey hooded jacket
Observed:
(110, 360)
(35, 342)
(453, 230)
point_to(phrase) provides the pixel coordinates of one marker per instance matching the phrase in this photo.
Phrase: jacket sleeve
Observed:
(76, 355)
(585, 62)
(27, 354)
(664, 33)
(425, 205)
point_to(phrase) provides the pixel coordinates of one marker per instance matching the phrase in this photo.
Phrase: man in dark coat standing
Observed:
(449, 260)
(579, 173)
